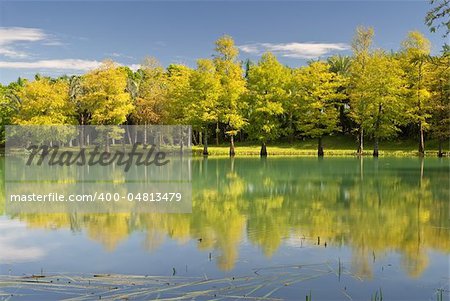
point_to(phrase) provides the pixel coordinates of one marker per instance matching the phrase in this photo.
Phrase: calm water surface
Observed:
(385, 221)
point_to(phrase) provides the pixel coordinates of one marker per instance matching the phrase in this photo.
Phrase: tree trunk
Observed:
(82, 143)
(375, 147)
(440, 152)
(205, 144)
(189, 137)
(320, 148)
(263, 152)
(361, 141)
(82, 137)
(107, 142)
(145, 133)
(421, 141)
(217, 133)
(129, 134)
(181, 141)
(419, 105)
(341, 117)
(232, 153)
(194, 137)
(291, 128)
(377, 128)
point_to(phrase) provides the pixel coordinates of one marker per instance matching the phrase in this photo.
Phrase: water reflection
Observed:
(372, 206)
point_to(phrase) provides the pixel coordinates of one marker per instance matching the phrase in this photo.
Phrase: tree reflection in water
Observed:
(373, 206)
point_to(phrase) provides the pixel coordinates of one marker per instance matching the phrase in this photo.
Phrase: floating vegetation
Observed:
(262, 285)
(378, 296)
(440, 295)
(266, 283)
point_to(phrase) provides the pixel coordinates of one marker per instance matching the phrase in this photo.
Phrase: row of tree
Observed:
(373, 93)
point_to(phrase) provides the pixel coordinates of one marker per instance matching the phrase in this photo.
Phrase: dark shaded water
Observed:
(387, 221)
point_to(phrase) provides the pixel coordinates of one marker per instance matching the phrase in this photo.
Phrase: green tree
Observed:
(178, 86)
(152, 93)
(415, 53)
(82, 109)
(148, 90)
(205, 91)
(7, 109)
(439, 16)
(105, 94)
(316, 94)
(268, 90)
(361, 45)
(384, 88)
(232, 88)
(9, 104)
(341, 65)
(440, 97)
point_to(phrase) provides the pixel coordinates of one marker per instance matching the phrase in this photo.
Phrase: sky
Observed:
(72, 37)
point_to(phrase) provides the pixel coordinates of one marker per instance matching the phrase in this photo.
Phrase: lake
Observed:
(332, 228)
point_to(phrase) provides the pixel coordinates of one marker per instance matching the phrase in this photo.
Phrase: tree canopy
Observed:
(371, 94)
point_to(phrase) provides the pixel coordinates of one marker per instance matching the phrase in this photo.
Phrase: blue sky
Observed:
(71, 37)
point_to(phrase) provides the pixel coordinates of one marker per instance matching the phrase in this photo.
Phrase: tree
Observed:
(149, 92)
(44, 102)
(268, 90)
(178, 86)
(361, 44)
(384, 88)
(205, 90)
(415, 53)
(152, 93)
(316, 94)
(440, 14)
(440, 97)
(232, 88)
(82, 109)
(341, 65)
(105, 94)
(9, 104)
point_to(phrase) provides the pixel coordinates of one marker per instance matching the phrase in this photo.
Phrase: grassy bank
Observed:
(333, 146)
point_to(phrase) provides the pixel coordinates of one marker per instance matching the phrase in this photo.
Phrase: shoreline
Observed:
(222, 151)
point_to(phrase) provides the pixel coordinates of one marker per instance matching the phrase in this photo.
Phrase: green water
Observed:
(386, 220)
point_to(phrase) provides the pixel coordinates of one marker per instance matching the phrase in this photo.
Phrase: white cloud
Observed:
(295, 50)
(114, 54)
(64, 64)
(11, 38)
(118, 55)
(250, 48)
(6, 51)
(11, 35)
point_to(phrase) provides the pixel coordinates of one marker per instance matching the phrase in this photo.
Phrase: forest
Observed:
(371, 94)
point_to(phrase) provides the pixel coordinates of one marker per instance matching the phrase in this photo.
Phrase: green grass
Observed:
(333, 146)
